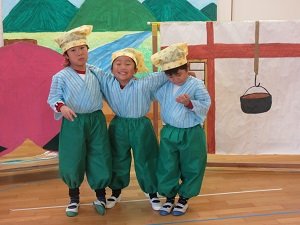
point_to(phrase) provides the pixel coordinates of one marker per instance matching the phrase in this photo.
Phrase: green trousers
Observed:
(84, 149)
(136, 134)
(182, 161)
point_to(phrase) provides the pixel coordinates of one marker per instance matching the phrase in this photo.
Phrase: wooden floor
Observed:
(248, 190)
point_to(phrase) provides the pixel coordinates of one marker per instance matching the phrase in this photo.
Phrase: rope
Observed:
(256, 52)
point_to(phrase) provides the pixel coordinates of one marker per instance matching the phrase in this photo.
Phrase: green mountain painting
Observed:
(39, 16)
(210, 11)
(174, 10)
(113, 15)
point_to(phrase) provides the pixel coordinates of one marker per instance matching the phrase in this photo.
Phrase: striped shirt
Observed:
(134, 100)
(176, 114)
(81, 95)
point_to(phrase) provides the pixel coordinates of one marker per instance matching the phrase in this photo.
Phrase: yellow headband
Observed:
(135, 55)
(74, 37)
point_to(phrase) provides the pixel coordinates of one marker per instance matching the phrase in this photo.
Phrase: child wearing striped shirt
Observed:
(130, 129)
(184, 103)
(84, 148)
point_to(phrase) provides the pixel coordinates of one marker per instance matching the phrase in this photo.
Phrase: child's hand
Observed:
(67, 113)
(183, 99)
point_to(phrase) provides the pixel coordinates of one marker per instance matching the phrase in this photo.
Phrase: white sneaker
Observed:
(155, 203)
(72, 209)
(112, 201)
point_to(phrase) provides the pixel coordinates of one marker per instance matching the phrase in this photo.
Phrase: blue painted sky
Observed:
(9, 4)
(198, 3)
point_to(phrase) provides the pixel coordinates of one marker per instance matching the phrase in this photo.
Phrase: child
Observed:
(184, 103)
(84, 145)
(130, 100)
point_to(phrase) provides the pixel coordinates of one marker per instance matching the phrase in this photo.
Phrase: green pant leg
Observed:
(193, 159)
(99, 161)
(145, 152)
(121, 153)
(72, 152)
(168, 171)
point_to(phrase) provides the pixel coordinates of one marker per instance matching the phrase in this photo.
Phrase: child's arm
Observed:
(185, 100)
(155, 80)
(200, 102)
(55, 97)
(103, 77)
(56, 100)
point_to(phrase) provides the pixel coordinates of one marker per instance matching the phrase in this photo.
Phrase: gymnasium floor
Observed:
(248, 190)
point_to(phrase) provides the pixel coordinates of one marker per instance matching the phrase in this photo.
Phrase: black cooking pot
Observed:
(257, 102)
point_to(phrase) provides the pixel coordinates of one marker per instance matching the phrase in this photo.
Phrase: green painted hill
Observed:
(174, 10)
(210, 11)
(113, 15)
(39, 16)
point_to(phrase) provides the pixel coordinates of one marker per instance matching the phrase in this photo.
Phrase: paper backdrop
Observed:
(229, 50)
(26, 70)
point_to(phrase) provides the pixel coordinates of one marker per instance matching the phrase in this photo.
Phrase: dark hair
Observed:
(175, 70)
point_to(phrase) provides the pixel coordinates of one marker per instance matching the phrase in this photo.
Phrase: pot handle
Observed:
(256, 86)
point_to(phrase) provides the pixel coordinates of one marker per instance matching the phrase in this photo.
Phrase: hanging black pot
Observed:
(257, 102)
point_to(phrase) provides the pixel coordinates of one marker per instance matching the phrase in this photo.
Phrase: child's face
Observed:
(178, 78)
(78, 57)
(123, 69)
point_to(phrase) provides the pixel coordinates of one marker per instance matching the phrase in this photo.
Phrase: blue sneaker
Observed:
(180, 209)
(166, 209)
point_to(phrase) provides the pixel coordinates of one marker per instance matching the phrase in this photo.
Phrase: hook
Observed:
(256, 85)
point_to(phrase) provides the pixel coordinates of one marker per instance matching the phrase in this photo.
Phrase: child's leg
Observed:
(114, 198)
(168, 172)
(98, 157)
(101, 201)
(71, 152)
(71, 167)
(193, 159)
(121, 158)
(145, 152)
(72, 208)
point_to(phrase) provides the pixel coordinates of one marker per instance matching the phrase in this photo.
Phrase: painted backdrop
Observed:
(26, 69)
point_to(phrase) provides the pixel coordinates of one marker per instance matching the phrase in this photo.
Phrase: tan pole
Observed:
(154, 50)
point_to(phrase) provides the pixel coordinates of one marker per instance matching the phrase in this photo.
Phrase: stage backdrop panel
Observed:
(229, 50)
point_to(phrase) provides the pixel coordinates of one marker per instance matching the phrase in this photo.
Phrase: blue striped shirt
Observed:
(81, 95)
(176, 114)
(134, 100)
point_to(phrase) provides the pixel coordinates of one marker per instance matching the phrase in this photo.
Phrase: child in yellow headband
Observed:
(130, 100)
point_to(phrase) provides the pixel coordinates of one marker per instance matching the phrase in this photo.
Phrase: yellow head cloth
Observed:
(135, 55)
(74, 37)
(171, 57)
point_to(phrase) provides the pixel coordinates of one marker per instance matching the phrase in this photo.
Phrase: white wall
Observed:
(239, 10)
